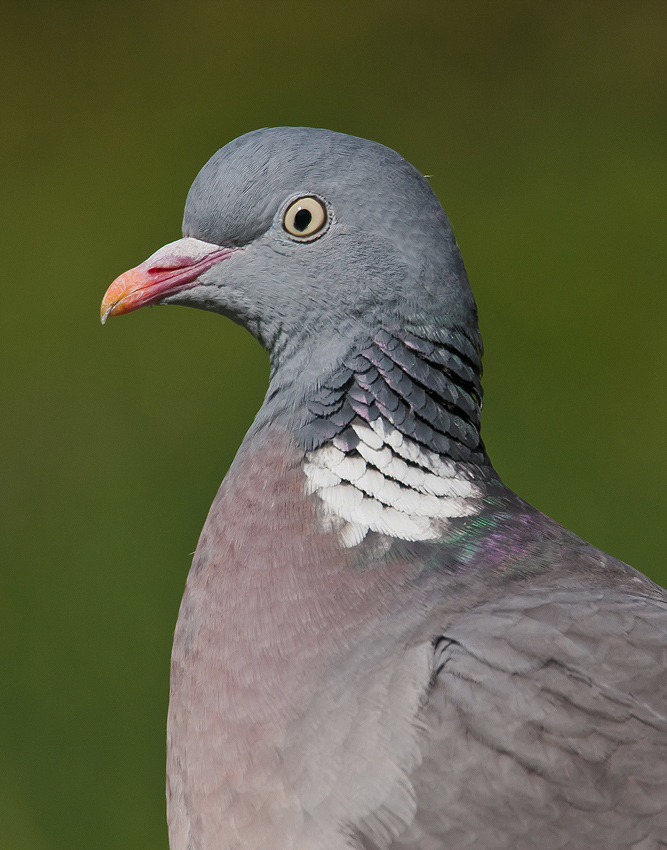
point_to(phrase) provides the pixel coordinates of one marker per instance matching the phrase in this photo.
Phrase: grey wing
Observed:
(546, 727)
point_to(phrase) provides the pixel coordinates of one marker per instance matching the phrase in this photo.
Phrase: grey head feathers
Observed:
(388, 252)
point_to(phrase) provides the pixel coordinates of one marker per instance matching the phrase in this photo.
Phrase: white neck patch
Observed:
(389, 484)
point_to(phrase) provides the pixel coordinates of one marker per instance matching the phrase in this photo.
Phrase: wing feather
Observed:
(546, 727)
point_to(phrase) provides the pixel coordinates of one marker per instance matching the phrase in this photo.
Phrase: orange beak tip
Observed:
(118, 297)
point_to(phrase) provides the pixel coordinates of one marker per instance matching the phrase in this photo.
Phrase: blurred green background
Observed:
(544, 127)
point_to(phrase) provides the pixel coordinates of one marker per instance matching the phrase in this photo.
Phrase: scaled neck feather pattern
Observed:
(392, 436)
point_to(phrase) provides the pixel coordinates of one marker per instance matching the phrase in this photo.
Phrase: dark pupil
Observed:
(302, 219)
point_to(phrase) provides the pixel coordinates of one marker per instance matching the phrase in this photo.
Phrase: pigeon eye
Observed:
(305, 217)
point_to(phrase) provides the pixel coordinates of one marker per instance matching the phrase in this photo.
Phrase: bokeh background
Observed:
(544, 127)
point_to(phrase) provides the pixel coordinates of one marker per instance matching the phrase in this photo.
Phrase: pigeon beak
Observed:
(174, 267)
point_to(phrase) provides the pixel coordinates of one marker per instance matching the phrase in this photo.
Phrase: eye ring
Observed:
(306, 218)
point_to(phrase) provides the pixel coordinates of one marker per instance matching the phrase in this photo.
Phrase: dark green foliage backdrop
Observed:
(544, 127)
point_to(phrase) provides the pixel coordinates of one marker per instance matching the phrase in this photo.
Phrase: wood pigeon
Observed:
(380, 646)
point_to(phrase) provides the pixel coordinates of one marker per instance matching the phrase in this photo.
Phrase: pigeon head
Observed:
(308, 238)
(335, 253)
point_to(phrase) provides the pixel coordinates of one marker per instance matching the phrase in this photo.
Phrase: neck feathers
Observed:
(392, 436)
(428, 389)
